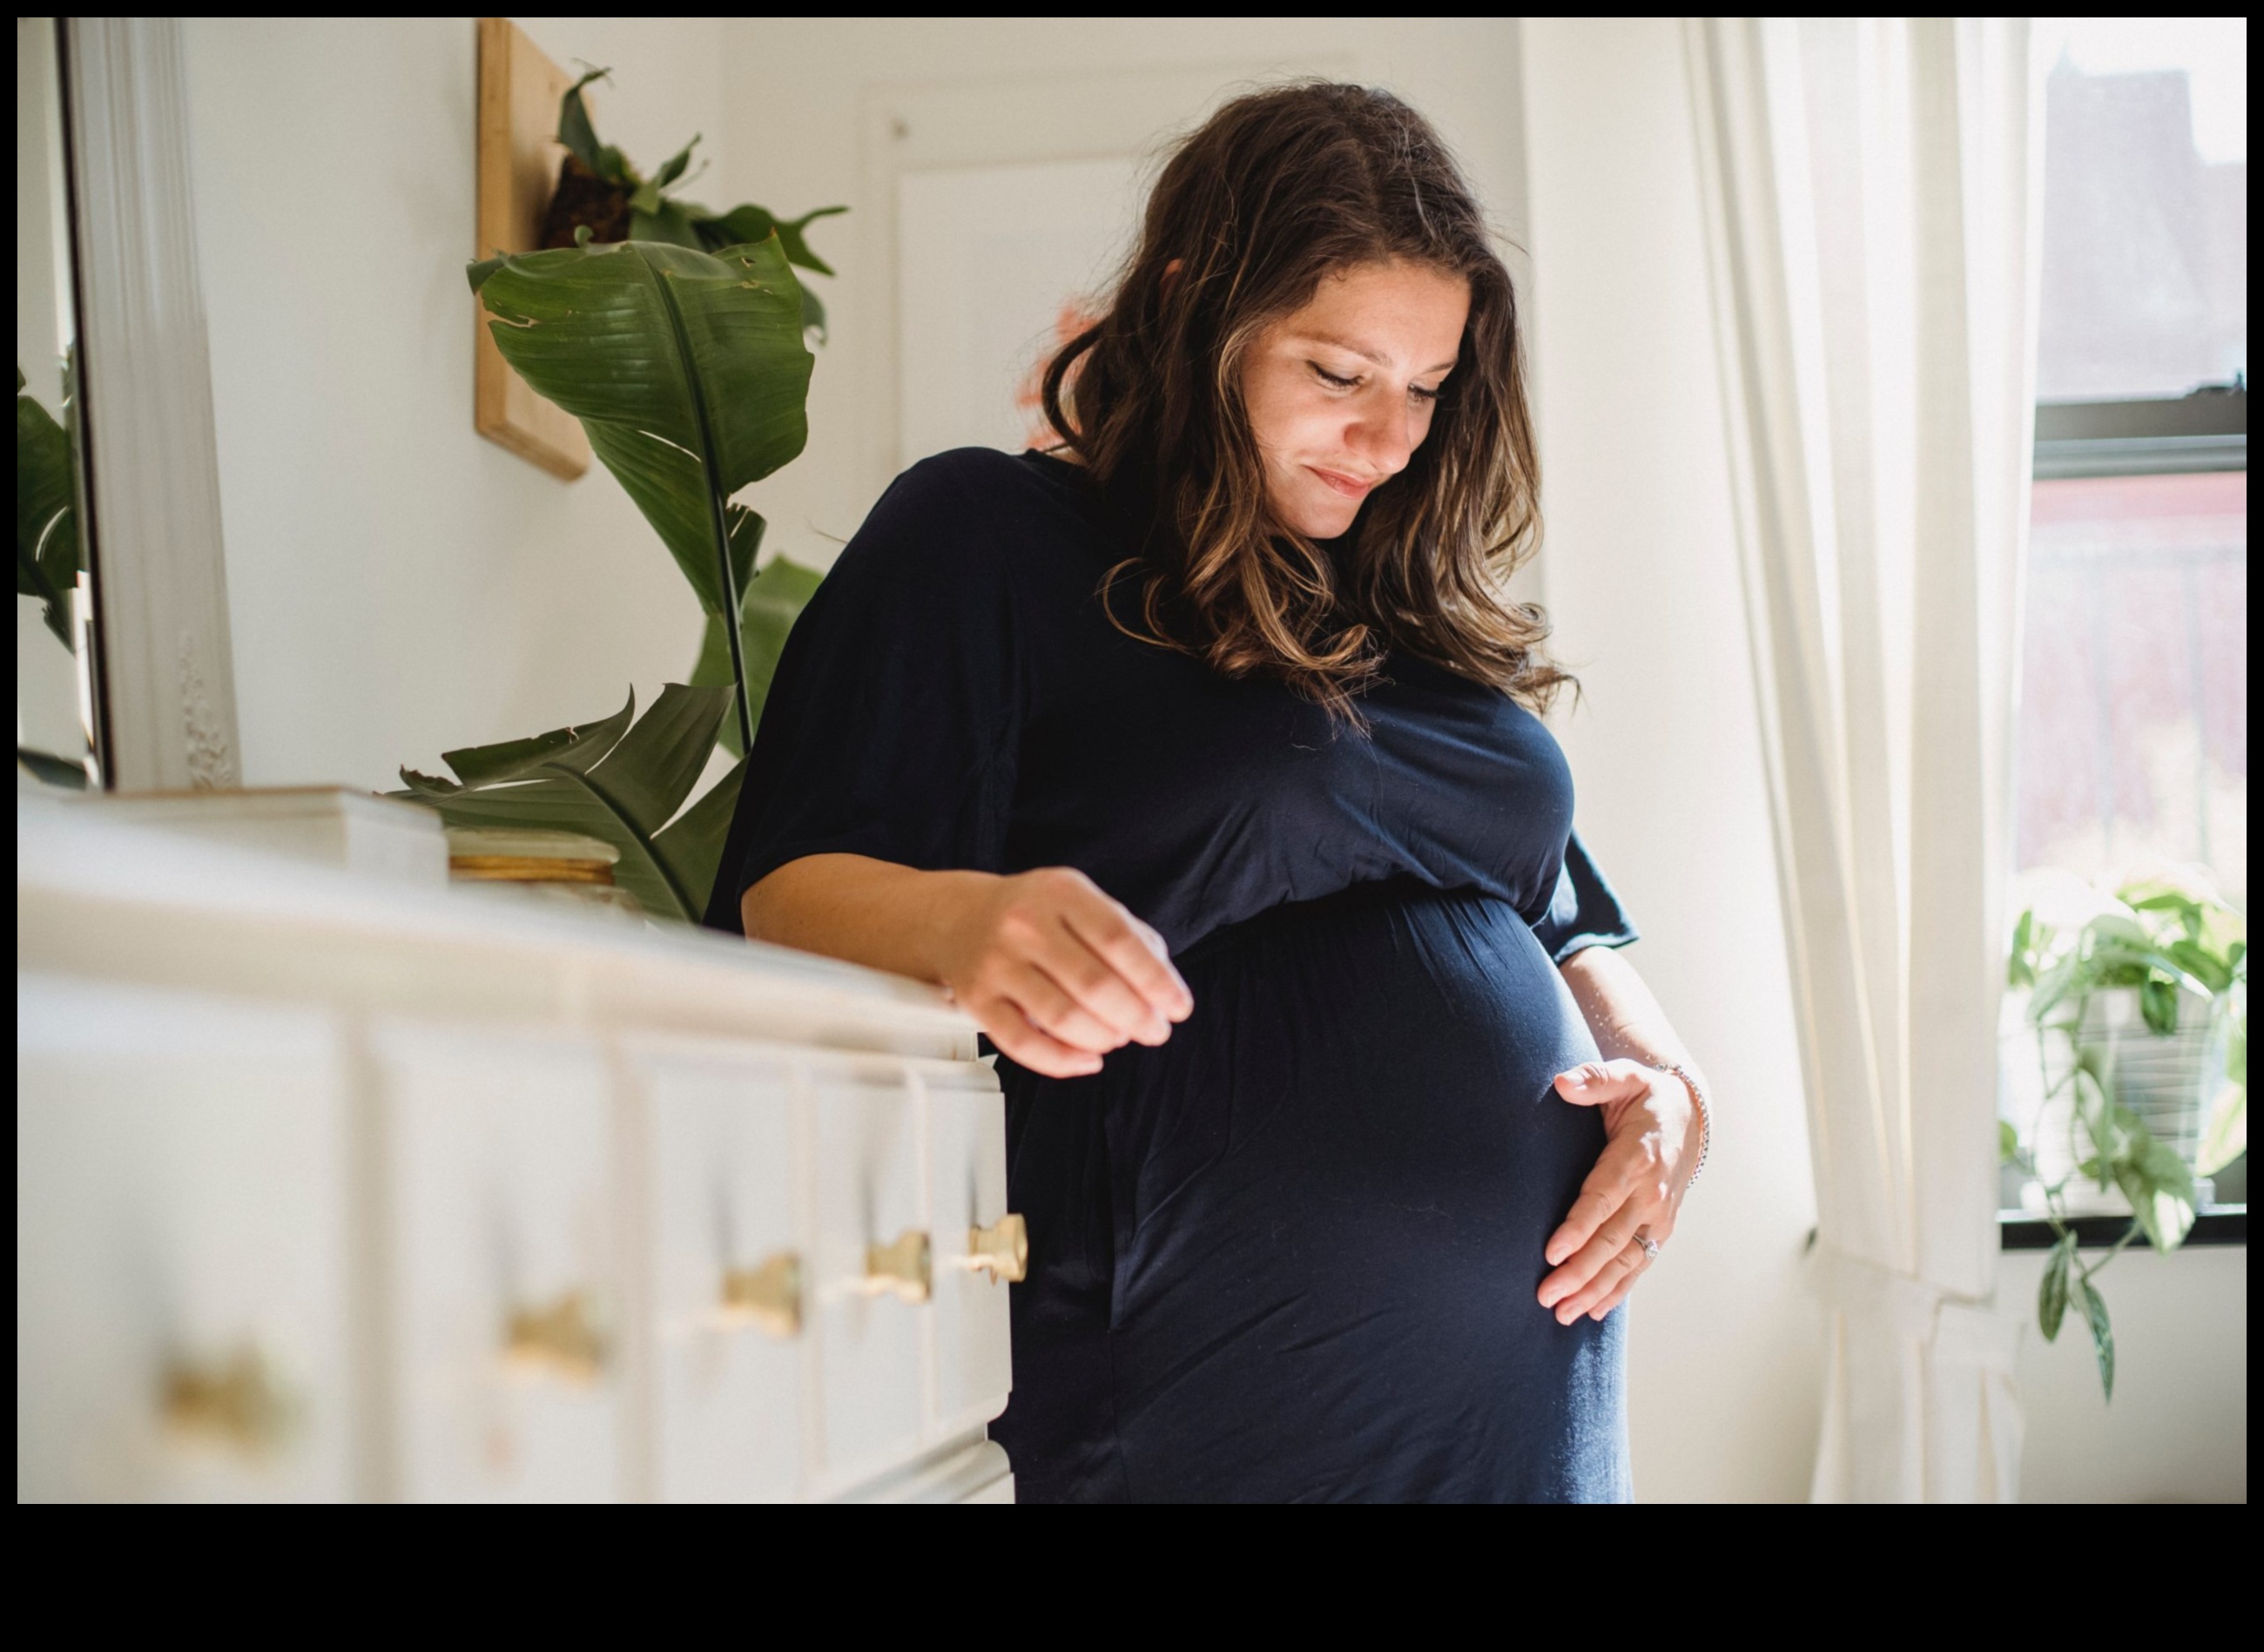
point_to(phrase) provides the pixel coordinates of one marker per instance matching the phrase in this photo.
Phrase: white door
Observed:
(978, 1244)
(183, 1208)
(508, 1308)
(725, 1213)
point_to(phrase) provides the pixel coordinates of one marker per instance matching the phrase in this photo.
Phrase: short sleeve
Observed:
(892, 723)
(1584, 912)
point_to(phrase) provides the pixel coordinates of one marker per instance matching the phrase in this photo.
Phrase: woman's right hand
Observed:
(1057, 973)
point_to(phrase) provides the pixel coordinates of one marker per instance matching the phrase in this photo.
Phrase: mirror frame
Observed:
(164, 673)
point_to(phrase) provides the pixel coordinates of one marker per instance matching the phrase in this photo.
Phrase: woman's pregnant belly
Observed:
(1292, 1252)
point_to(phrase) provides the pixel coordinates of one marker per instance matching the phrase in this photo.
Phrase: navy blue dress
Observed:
(1290, 1254)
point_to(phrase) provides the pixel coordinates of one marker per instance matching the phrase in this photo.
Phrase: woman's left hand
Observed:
(1651, 1152)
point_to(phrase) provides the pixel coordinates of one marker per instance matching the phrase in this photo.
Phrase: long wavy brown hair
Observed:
(1251, 211)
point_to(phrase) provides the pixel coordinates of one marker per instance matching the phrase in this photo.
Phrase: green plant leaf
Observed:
(750, 222)
(797, 248)
(580, 137)
(2214, 973)
(692, 847)
(672, 168)
(2020, 971)
(428, 785)
(2157, 1184)
(2052, 1292)
(577, 747)
(2102, 1333)
(2113, 927)
(774, 599)
(46, 517)
(2226, 1139)
(2100, 1120)
(663, 220)
(621, 789)
(2008, 1142)
(753, 223)
(687, 369)
(50, 770)
(563, 802)
(2158, 1002)
(2187, 909)
(648, 778)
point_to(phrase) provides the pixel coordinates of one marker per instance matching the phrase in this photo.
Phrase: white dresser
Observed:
(329, 1187)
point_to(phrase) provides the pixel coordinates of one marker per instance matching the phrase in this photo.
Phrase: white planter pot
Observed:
(2166, 1081)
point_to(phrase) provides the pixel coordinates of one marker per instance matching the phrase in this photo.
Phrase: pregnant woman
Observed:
(1199, 758)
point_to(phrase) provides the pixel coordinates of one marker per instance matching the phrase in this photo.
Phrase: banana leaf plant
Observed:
(619, 780)
(46, 519)
(689, 372)
(599, 190)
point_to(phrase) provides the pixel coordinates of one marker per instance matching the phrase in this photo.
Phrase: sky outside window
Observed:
(2145, 245)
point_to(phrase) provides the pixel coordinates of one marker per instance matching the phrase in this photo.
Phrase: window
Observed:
(2134, 714)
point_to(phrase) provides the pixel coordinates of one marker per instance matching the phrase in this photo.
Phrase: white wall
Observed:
(2177, 1430)
(1641, 573)
(396, 583)
(810, 102)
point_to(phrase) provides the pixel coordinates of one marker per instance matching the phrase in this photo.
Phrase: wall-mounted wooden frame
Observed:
(518, 157)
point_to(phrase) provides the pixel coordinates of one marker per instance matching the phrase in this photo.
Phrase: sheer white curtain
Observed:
(1872, 214)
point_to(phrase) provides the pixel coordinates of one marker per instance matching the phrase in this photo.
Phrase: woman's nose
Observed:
(1385, 439)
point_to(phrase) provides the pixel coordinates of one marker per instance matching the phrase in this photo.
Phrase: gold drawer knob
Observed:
(238, 1404)
(767, 1295)
(1002, 1249)
(561, 1340)
(905, 1268)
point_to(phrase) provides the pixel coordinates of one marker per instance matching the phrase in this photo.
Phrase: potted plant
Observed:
(685, 357)
(2137, 1001)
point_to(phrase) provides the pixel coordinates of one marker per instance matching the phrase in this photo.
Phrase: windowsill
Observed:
(2226, 1225)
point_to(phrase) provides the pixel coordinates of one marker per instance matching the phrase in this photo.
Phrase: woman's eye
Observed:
(1422, 395)
(1333, 380)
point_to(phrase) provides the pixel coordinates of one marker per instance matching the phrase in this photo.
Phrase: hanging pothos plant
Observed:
(684, 355)
(2167, 943)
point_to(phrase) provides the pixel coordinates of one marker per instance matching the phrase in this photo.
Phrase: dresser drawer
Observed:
(183, 1264)
(978, 1245)
(507, 1292)
(872, 1269)
(727, 1219)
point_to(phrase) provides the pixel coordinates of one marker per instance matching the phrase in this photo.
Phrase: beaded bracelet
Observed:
(1705, 1112)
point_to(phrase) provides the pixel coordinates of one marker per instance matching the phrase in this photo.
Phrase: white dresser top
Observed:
(97, 895)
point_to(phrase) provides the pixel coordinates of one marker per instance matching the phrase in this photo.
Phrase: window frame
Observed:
(2205, 429)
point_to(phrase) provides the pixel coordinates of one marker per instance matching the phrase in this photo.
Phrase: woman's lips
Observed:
(1341, 482)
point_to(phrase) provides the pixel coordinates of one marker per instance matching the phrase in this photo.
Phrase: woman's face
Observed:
(1341, 393)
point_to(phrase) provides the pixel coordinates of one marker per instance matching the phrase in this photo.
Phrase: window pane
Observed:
(2134, 711)
(2145, 248)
